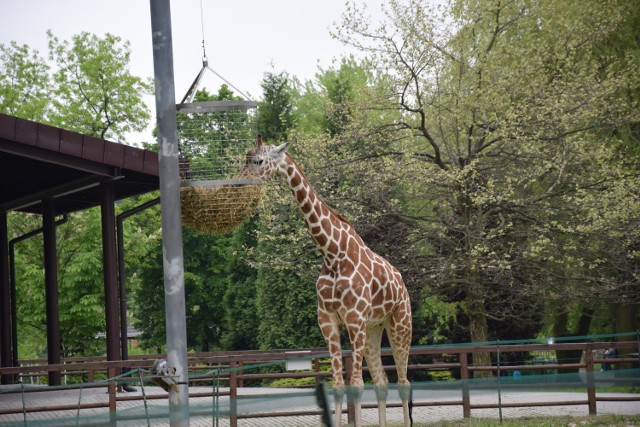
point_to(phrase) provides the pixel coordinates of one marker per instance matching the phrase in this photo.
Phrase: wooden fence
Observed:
(234, 370)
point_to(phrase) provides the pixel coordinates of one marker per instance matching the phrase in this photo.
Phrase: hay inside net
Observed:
(214, 138)
(218, 209)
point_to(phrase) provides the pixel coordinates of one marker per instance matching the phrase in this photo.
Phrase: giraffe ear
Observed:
(259, 141)
(280, 150)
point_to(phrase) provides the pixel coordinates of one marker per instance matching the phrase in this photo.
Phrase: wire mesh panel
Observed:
(213, 138)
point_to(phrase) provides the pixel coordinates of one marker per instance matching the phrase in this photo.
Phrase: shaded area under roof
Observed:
(50, 171)
(40, 162)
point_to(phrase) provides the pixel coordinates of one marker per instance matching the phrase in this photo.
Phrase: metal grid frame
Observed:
(213, 139)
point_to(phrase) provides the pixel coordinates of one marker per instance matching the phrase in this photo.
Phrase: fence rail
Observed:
(235, 369)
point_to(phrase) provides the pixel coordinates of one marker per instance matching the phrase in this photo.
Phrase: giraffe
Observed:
(357, 289)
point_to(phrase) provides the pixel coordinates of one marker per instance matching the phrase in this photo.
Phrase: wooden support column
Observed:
(591, 385)
(110, 272)
(464, 377)
(51, 288)
(6, 359)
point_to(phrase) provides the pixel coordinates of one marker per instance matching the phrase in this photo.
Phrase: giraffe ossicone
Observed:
(357, 289)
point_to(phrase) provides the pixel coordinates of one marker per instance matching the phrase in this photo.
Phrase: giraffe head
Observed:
(263, 160)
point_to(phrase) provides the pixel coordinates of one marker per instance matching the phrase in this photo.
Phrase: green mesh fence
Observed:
(511, 394)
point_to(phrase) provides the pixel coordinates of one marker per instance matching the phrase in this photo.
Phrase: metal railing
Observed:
(235, 369)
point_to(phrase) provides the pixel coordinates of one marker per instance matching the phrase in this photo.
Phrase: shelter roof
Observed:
(40, 162)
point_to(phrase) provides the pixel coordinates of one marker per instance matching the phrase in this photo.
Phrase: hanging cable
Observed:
(205, 61)
(229, 83)
(191, 93)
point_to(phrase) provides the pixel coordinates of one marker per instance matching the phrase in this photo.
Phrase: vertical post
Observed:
(111, 389)
(464, 377)
(316, 370)
(241, 371)
(122, 290)
(499, 388)
(51, 288)
(233, 394)
(170, 207)
(107, 205)
(591, 386)
(14, 302)
(5, 301)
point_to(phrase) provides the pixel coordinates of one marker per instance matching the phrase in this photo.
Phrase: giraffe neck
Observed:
(326, 227)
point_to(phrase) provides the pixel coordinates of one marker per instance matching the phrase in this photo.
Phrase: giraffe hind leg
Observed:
(399, 332)
(330, 327)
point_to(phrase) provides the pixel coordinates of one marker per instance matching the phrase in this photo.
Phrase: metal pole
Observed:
(170, 207)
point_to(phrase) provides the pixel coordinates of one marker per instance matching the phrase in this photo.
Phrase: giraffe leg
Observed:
(330, 327)
(399, 332)
(374, 363)
(357, 336)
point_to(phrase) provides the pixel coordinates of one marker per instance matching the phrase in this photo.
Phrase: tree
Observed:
(285, 256)
(93, 91)
(276, 108)
(340, 87)
(24, 82)
(80, 278)
(279, 258)
(498, 112)
(220, 312)
(240, 299)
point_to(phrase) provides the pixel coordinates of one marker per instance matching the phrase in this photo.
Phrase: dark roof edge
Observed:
(74, 144)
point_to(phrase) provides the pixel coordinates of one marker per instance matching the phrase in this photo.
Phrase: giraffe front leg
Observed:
(357, 336)
(329, 325)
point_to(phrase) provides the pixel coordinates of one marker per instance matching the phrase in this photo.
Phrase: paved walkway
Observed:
(254, 400)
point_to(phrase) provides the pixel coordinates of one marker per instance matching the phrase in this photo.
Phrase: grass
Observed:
(600, 420)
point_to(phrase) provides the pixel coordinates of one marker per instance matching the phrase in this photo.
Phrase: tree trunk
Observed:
(478, 328)
(626, 321)
(561, 329)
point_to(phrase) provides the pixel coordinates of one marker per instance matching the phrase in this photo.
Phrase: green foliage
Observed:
(600, 420)
(207, 141)
(276, 108)
(493, 160)
(148, 300)
(93, 91)
(440, 316)
(24, 82)
(287, 268)
(293, 382)
(87, 88)
(240, 299)
(503, 165)
(441, 375)
(80, 290)
(287, 310)
(340, 87)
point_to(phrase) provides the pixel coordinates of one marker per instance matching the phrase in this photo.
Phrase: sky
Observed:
(243, 39)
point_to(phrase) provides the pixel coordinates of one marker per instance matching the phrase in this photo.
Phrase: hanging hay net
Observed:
(213, 138)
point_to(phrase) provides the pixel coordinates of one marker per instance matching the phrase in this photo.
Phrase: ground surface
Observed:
(254, 400)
